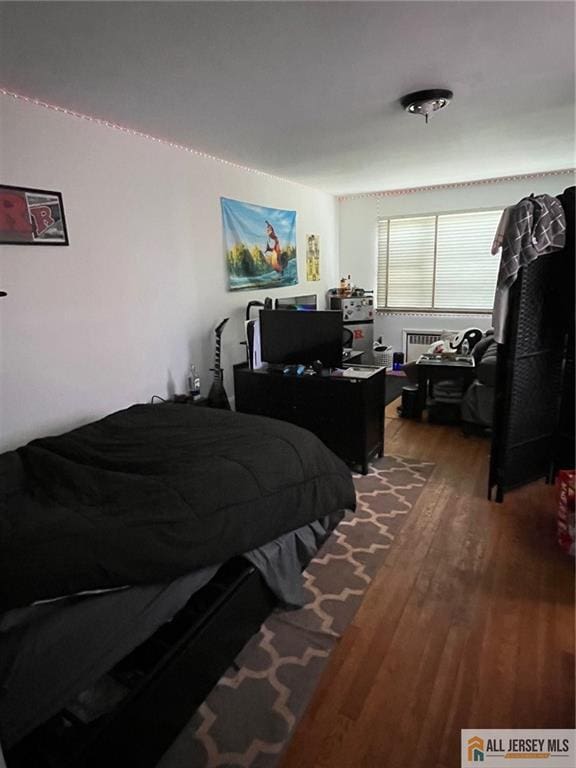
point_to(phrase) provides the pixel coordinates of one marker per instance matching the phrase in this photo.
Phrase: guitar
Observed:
(217, 397)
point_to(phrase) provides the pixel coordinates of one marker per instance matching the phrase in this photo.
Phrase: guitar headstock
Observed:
(218, 330)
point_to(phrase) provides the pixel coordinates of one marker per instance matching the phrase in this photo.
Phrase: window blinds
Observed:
(440, 262)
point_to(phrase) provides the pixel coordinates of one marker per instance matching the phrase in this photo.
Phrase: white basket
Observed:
(384, 359)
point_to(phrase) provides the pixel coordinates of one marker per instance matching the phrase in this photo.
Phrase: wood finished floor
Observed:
(470, 623)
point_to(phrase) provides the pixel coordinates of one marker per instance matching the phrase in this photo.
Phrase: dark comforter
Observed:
(152, 492)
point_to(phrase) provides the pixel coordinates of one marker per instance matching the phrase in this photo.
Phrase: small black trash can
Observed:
(409, 409)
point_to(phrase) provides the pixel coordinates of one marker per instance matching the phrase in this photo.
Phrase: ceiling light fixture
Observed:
(426, 102)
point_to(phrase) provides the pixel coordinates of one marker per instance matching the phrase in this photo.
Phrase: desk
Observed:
(431, 368)
(345, 412)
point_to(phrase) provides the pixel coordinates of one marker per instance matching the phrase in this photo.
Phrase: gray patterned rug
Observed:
(248, 718)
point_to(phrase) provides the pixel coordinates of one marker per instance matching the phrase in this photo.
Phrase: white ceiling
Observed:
(309, 90)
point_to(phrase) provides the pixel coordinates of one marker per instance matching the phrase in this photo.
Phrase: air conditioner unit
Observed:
(415, 343)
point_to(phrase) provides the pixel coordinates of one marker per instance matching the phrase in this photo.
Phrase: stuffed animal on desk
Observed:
(470, 335)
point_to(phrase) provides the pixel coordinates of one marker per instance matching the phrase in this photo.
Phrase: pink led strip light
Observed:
(340, 198)
(142, 135)
(458, 184)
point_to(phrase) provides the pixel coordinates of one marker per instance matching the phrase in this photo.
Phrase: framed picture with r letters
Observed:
(31, 217)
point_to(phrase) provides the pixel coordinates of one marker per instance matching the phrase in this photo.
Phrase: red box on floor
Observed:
(566, 532)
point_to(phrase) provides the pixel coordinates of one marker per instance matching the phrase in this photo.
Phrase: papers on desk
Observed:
(458, 361)
(359, 371)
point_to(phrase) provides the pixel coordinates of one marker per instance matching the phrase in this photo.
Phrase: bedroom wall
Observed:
(358, 240)
(118, 315)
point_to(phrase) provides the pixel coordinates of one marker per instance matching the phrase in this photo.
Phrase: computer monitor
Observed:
(288, 338)
(297, 302)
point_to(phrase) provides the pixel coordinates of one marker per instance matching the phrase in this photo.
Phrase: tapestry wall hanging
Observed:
(260, 245)
(31, 217)
(312, 258)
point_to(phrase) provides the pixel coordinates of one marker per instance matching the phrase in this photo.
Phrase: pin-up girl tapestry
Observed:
(260, 245)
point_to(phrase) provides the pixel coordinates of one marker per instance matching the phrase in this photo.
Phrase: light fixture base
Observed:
(426, 102)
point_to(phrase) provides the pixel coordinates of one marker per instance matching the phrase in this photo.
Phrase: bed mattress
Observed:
(154, 497)
(51, 652)
(151, 493)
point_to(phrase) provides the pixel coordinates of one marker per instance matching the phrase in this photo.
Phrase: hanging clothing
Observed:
(567, 200)
(501, 231)
(536, 226)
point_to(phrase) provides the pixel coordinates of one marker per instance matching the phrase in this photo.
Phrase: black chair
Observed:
(347, 338)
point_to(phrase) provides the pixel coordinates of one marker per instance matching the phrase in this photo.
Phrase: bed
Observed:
(152, 543)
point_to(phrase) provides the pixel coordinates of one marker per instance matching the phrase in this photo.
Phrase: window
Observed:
(438, 262)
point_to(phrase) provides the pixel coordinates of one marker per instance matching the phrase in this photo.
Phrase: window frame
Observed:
(424, 310)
